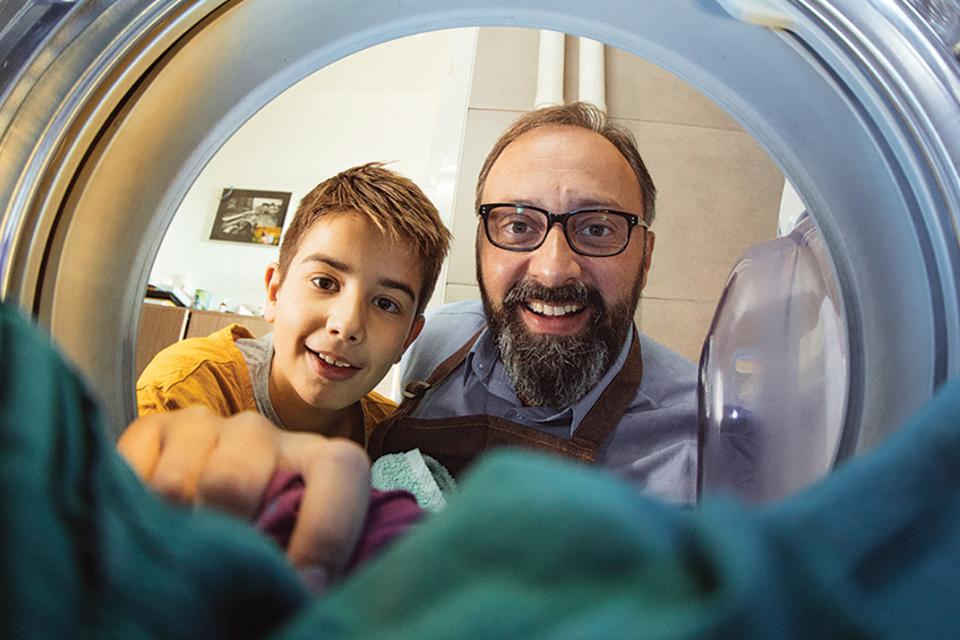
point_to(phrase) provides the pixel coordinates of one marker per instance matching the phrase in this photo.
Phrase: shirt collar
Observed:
(484, 363)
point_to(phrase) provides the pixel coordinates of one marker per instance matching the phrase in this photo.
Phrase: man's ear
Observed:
(271, 280)
(414, 332)
(649, 240)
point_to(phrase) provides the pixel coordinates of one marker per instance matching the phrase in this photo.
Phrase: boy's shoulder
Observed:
(183, 359)
(376, 408)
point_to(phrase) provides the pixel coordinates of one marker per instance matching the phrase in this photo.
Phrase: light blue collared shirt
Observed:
(655, 443)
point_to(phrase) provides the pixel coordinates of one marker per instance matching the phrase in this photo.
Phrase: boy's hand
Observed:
(195, 456)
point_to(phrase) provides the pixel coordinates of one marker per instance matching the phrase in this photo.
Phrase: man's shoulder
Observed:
(668, 377)
(446, 329)
(457, 312)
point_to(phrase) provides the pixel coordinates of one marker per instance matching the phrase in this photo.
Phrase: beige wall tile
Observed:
(458, 292)
(639, 89)
(717, 194)
(505, 76)
(571, 73)
(482, 130)
(680, 325)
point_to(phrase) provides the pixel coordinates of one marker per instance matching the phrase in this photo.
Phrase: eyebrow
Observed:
(579, 203)
(343, 267)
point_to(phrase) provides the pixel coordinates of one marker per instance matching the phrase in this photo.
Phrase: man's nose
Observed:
(554, 263)
(347, 318)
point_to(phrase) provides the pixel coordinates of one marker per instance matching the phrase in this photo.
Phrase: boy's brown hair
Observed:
(394, 204)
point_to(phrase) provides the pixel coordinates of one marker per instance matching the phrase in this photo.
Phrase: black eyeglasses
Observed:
(589, 232)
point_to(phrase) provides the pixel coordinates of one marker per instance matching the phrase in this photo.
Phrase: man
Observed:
(550, 360)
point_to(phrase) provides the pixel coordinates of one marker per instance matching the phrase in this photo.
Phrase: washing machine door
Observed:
(779, 326)
(113, 107)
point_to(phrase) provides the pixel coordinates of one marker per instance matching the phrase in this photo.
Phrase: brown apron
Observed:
(455, 441)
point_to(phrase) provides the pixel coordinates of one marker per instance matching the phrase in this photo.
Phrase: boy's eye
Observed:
(323, 282)
(387, 305)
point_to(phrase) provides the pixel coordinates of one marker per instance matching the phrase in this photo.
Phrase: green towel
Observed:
(533, 547)
(87, 551)
(428, 480)
(536, 547)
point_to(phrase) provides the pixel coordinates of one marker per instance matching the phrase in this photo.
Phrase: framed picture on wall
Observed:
(249, 215)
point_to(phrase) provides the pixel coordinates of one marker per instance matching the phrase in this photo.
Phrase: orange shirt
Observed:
(212, 371)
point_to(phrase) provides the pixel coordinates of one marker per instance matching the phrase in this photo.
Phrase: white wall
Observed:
(402, 102)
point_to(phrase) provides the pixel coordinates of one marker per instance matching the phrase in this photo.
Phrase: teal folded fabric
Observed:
(535, 547)
(532, 547)
(428, 480)
(87, 551)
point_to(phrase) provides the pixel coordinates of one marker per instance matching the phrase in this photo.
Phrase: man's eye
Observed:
(323, 282)
(598, 230)
(595, 226)
(387, 305)
(517, 226)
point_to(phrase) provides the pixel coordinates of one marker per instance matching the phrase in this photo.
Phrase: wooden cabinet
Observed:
(203, 323)
(161, 326)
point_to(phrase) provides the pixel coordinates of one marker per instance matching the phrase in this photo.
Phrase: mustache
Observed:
(572, 293)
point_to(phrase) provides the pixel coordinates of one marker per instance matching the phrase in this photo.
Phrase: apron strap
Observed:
(413, 392)
(606, 412)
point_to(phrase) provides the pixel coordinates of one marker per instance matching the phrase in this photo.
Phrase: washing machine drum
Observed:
(857, 100)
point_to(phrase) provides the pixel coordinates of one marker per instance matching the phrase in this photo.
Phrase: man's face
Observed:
(343, 314)
(559, 318)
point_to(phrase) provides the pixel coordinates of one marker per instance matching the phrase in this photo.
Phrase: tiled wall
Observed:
(718, 191)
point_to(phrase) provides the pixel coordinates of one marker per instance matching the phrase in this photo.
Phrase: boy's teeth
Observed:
(554, 310)
(333, 361)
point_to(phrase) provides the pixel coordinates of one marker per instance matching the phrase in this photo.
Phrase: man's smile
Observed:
(546, 309)
(567, 319)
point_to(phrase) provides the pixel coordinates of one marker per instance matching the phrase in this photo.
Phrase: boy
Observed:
(356, 268)
(346, 298)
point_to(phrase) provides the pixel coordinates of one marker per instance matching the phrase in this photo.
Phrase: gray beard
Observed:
(550, 370)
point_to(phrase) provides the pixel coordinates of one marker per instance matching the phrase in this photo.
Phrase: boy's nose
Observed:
(347, 319)
(554, 263)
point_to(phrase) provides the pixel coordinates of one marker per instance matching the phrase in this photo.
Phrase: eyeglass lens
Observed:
(591, 232)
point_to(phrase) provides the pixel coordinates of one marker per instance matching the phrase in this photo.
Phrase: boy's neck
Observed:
(297, 415)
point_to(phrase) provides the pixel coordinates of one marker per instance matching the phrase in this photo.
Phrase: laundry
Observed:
(389, 515)
(88, 551)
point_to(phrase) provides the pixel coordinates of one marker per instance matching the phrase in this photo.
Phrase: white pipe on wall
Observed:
(550, 70)
(592, 73)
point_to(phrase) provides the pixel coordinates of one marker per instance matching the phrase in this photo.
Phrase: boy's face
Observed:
(345, 312)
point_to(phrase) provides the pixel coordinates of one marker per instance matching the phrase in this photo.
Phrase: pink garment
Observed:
(389, 514)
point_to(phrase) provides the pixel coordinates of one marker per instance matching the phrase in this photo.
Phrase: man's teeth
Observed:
(554, 310)
(333, 361)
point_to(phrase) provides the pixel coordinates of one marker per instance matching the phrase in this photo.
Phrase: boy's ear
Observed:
(414, 332)
(271, 280)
